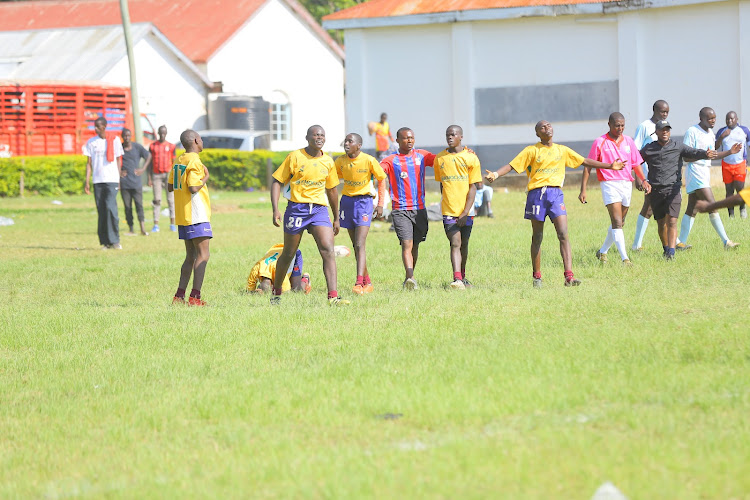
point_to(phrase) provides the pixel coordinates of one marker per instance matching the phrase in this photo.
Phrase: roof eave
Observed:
(600, 8)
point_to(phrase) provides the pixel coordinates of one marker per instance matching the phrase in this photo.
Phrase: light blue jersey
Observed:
(739, 134)
(697, 173)
(644, 134)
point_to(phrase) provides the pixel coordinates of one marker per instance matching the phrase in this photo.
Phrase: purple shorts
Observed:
(355, 211)
(301, 216)
(545, 202)
(200, 230)
(450, 225)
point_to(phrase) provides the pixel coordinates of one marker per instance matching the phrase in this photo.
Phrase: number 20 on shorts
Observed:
(294, 222)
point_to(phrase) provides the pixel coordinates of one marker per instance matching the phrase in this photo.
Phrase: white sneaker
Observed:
(116, 246)
(730, 245)
(743, 213)
(458, 285)
(411, 284)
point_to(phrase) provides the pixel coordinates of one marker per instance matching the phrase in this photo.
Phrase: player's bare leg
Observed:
(187, 266)
(561, 227)
(202, 255)
(537, 235)
(323, 236)
(358, 235)
(291, 244)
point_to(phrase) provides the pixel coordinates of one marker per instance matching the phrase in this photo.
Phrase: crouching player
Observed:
(312, 179)
(459, 173)
(544, 164)
(188, 180)
(356, 169)
(264, 271)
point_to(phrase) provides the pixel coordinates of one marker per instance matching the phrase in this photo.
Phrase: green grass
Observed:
(640, 376)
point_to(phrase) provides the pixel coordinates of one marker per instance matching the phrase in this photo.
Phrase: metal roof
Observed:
(381, 13)
(73, 53)
(197, 27)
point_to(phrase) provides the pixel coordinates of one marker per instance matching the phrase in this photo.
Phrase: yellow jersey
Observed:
(189, 208)
(456, 172)
(382, 134)
(745, 193)
(308, 177)
(545, 165)
(357, 173)
(266, 268)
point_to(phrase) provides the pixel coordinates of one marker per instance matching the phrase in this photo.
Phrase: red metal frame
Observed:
(58, 118)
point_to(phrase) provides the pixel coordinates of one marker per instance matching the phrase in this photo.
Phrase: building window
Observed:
(281, 117)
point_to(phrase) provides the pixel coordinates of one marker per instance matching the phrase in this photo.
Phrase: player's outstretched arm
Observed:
(492, 176)
(615, 165)
(703, 206)
(584, 182)
(381, 199)
(333, 200)
(736, 148)
(275, 193)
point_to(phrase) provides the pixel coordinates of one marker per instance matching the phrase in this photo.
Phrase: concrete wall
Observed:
(275, 51)
(427, 77)
(168, 92)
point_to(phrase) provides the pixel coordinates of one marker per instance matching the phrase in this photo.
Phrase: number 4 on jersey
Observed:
(177, 172)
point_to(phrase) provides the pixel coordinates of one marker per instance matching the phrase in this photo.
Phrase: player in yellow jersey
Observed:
(544, 164)
(264, 271)
(357, 169)
(459, 173)
(188, 179)
(743, 196)
(313, 183)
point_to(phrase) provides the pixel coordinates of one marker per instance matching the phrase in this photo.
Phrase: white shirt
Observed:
(103, 171)
(697, 174)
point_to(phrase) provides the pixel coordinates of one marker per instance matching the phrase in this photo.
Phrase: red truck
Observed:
(50, 118)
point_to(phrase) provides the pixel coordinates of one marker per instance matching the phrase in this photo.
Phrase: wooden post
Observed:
(269, 173)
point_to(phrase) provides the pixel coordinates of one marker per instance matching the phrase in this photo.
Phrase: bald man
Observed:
(698, 179)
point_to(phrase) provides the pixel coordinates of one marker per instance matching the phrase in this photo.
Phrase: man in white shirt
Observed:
(698, 179)
(104, 154)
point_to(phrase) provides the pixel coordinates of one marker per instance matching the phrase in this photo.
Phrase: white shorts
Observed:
(616, 192)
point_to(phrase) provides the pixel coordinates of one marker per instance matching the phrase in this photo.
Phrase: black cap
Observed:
(662, 124)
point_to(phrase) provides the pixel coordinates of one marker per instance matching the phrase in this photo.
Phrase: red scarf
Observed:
(110, 138)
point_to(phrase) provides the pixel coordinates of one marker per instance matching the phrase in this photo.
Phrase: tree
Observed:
(320, 8)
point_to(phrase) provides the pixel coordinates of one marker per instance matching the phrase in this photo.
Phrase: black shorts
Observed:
(450, 226)
(410, 224)
(666, 200)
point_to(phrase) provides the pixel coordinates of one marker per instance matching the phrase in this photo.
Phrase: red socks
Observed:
(196, 294)
(457, 276)
(180, 293)
(537, 275)
(333, 294)
(568, 275)
(360, 280)
(367, 279)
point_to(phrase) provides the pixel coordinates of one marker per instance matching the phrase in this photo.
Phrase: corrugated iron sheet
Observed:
(64, 54)
(393, 8)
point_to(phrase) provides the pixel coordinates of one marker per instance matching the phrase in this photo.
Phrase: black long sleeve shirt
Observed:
(665, 162)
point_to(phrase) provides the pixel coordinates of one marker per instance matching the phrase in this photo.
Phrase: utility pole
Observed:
(137, 133)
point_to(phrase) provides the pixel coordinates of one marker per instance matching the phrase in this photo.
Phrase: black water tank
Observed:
(239, 112)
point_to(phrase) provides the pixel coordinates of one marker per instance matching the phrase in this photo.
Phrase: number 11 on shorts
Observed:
(536, 209)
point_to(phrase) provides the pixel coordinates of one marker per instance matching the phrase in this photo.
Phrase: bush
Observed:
(65, 174)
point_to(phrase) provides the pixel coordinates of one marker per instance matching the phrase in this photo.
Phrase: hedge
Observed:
(54, 175)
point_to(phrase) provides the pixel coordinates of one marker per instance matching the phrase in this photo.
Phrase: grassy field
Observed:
(641, 376)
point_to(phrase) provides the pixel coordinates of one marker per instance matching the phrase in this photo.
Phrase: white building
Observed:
(98, 54)
(271, 48)
(497, 71)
